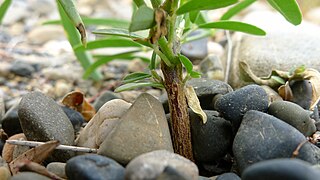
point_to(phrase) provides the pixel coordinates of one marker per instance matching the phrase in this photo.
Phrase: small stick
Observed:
(62, 147)
(296, 151)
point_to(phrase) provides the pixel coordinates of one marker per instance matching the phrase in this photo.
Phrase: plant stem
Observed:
(180, 124)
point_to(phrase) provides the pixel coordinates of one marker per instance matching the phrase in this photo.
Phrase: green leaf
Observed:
(103, 60)
(107, 43)
(156, 3)
(69, 8)
(153, 61)
(235, 26)
(193, 15)
(137, 76)
(142, 19)
(195, 5)
(73, 36)
(115, 23)
(117, 32)
(236, 9)
(289, 9)
(278, 79)
(131, 86)
(139, 2)
(186, 63)
(3, 9)
(195, 74)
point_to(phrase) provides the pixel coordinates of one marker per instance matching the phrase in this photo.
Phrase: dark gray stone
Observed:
(10, 122)
(151, 165)
(195, 50)
(280, 169)
(302, 93)
(294, 115)
(212, 140)
(21, 68)
(75, 118)
(143, 128)
(211, 68)
(263, 137)
(93, 167)
(235, 104)
(103, 98)
(228, 176)
(42, 119)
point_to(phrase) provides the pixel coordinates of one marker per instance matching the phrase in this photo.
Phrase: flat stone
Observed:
(151, 165)
(93, 167)
(42, 119)
(285, 46)
(235, 104)
(29, 176)
(57, 168)
(99, 127)
(212, 140)
(143, 128)
(294, 115)
(263, 137)
(280, 169)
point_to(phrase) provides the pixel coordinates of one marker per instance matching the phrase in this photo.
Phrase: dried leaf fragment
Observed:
(37, 154)
(314, 77)
(194, 103)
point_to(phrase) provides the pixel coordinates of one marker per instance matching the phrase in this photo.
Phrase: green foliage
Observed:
(134, 77)
(236, 9)
(289, 9)
(131, 86)
(196, 5)
(142, 19)
(3, 9)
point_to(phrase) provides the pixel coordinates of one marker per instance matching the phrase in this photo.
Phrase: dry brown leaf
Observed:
(37, 168)
(194, 103)
(285, 92)
(7, 151)
(37, 154)
(161, 28)
(314, 77)
(76, 100)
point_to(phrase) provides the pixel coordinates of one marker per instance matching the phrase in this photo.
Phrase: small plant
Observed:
(168, 24)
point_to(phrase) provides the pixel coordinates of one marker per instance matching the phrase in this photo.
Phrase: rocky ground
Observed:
(250, 133)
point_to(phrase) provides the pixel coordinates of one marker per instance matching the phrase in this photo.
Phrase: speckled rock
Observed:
(280, 169)
(263, 137)
(42, 119)
(93, 167)
(151, 165)
(142, 132)
(235, 104)
(294, 115)
(99, 127)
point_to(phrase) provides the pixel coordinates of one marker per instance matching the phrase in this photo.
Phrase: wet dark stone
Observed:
(281, 169)
(212, 140)
(10, 122)
(228, 176)
(302, 93)
(235, 104)
(263, 137)
(294, 115)
(21, 68)
(93, 167)
(103, 98)
(75, 118)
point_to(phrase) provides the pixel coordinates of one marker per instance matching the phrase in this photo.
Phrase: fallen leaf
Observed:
(194, 103)
(285, 92)
(37, 168)
(76, 101)
(314, 77)
(37, 154)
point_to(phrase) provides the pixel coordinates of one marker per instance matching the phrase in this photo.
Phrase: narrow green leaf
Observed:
(137, 76)
(3, 9)
(115, 23)
(235, 26)
(156, 3)
(195, 5)
(139, 2)
(195, 74)
(108, 43)
(278, 79)
(106, 59)
(193, 15)
(69, 8)
(289, 10)
(142, 19)
(73, 36)
(131, 86)
(153, 61)
(236, 9)
(117, 32)
(186, 63)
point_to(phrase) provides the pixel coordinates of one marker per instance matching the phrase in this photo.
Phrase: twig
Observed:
(226, 77)
(62, 147)
(296, 151)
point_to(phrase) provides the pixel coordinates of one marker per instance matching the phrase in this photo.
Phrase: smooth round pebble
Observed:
(57, 168)
(10, 122)
(29, 176)
(93, 167)
(228, 176)
(75, 118)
